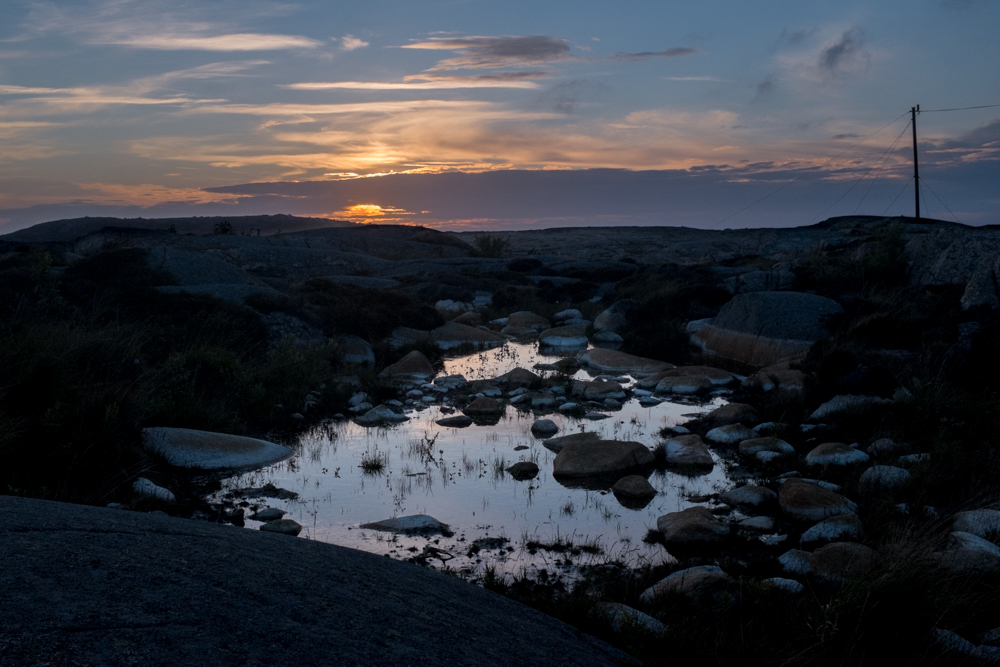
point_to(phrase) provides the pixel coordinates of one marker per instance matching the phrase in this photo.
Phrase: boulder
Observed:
(621, 617)
(471, 318)
(759, 524)
(451, 382)
(835, 454)
(485, 407)
(572, 336)
(691, 527)
(556, 444)
(452, 334)
(683, 384)
(754, 446)
(205, 450)
(615, 317)
(612, 361)
(971, 554)
(568, 314)
(518, 377)
(268, 514)
(716, 376)
(354, 350)
(884, 481)
(796, 561)
(848, 404)
(380, 415)
(840, 528)
(839, 561)
(983, 522)
(634, 487)
(544, 427)
(885, 447)
(414, 524)
(750, 496)
(147, 489)
(687, 451)
(704, 584)
(762, 328)
(414, 368)
(777, 376)
(484, 387)
(523, 470)
(787, 585)
(600, 457)
(731, 413)
(730, 434)
(597, 390)
(807, 501)
(524, 322)
(283, 526)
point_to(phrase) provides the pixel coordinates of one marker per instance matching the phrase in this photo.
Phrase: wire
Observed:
(809, 171)
(848, 191)
(927, 185)
(897, 196)
(985, 106)
(879, 172)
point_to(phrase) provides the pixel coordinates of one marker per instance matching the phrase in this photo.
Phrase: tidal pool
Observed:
(457, 475)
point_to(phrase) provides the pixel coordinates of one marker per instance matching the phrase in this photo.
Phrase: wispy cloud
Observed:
(496, 52)
(130, 23)
(351, 43)
(694, 78)
(844, 54)
(646, 55)
(430, 82)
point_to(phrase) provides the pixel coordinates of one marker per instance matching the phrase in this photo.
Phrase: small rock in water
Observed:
(568, 406)
(268, 514)
(458, 421)
(633, 486)
(595, 415)
(417, 523)
(544, 427)
(523, 470)
(380, 415)
(269, 490)
(283, 526)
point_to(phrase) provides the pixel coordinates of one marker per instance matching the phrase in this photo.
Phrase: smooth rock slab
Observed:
(703, 584)
(687, 451)
(600, 457)
(835, 454)
(840, 528)
(283, 526)
(205, 450)
(806, 501)
(416, 523)
(691, 527)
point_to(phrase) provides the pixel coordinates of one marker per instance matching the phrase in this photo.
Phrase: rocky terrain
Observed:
(857, 358)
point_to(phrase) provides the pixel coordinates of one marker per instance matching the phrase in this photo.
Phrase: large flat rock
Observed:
(93, 586)
(205, 450)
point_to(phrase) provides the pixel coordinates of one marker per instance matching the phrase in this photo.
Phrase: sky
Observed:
(466, 114)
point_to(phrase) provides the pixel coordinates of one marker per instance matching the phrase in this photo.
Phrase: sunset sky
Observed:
(506, 115)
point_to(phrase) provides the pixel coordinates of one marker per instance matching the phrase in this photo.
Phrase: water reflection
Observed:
(457, 475)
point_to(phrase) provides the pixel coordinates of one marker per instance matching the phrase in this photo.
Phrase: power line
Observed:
(807, 172)
(902, 190)
(879, 172)
(927, 185)
(985, 106)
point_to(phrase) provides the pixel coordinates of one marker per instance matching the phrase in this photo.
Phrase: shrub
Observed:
(492, 245)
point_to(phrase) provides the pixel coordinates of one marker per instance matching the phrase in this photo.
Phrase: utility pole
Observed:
(916, 174)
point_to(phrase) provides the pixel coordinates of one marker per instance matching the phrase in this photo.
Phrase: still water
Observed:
(457, 476)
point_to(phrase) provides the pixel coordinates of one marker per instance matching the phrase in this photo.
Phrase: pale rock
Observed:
(806, 501)
(796, 561)
(730, 434)
(848, 403)
(282, 526)
(687, 451)
(883, 480)
(694, 526)
(787, 585)
(835, 454)
(751, 496)
(417, 523)
(840, 528)
(147, 489)
(704, 584)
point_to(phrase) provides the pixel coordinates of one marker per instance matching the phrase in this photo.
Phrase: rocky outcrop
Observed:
(762, 328)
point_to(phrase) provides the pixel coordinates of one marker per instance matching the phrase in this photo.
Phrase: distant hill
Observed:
(263, 225)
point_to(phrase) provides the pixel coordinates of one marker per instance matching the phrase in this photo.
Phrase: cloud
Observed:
(430, 82)
(146, 25)
(646, 55)
(847, 135)
(846, 53)
(766, 87)
(496, 52)
(564, 97)
(694, 78)
(351, 43)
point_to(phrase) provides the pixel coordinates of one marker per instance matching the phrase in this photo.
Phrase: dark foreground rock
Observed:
(93, 586)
